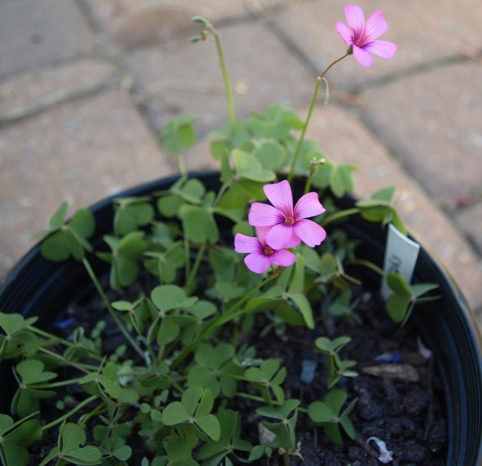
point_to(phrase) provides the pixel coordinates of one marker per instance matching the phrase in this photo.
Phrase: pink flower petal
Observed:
(308, 206)
(257, 262)
(309, 232)
(375, 27)
(345, 32)
(279, 194)
(355, 19)
(283, 258)
(293, 242)
(279, 236)
(362, 56)
(261, 234)
(261, 215)
(382, 48)
(243, 243)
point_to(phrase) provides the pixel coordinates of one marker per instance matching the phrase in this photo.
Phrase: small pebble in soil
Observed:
(436, 438)
(394, 405)
(414, 453)
(308, 370)
(369, 410)
(415, 402)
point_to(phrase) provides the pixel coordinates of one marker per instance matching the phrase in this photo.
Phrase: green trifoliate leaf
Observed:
(13, 451)
(67, 239)
(131, 213)
(198, 224)
(168, 297)
(178, 134)
(193, 191)
(272, 155)
(249, 167)
(32, 372)
(71, 439)
(58, 218)
(169, 205)
(398, 285)
(14, 323)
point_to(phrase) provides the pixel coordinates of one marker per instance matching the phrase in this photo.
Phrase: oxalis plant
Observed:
(172, 386)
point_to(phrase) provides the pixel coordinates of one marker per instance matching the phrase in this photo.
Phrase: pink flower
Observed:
(261, 256)
(361, 37)
(288, 226)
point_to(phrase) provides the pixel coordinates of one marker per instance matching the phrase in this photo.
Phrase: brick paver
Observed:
(34, 91)
(67, 157)
(433, 123)
(37, 33)
(187, 78)
(344, 138)
(424, 33)
(135, 68)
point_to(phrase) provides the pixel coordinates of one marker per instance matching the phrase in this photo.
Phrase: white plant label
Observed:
(400, 257)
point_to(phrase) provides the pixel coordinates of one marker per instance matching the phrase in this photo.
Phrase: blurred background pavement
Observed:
(87, 85)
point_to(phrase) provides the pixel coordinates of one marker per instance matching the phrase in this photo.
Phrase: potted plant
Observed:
(157, 327)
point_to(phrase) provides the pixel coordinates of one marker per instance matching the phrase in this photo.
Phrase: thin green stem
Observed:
(226, 317)
(187, 257)
(62, 383)
(255, 398)
(221, 191)
(195, 266)
(49, 336)
(61, 419)
(339, 215)
(109, 307)
(308, 118)
(182, 166)
(97, 410)
(19, 422)
(305, 127)
(227, 82)
(261, 400)
(81, 367)
(60, 340)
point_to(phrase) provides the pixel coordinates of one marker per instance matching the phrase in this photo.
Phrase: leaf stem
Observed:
(109, 307)
(60, 340)
(61, 419)
(81, 367)
(196, 265)
(308, 118)
(226, 317)
(182, 166)
(227, 82)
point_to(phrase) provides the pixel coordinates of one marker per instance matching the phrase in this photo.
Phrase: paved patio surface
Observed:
(87, 85)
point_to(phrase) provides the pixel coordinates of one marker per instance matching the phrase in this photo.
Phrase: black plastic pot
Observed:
(42, 288)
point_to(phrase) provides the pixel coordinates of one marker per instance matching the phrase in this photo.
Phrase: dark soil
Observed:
(409, 416)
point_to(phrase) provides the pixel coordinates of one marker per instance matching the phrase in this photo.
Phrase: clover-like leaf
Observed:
(178, 133)
(71, 440)
(268, 377)
(198, 224)
(131, 213)
(195, 406)
(126, 252)
(168, 297)
(15, 437)
(67, 239)
(327, 414)
(249, 167)
(14, 323)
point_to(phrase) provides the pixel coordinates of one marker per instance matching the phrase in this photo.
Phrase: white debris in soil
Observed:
(423, 350)
(385, 455)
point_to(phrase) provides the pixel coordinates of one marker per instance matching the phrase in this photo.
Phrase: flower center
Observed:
(289, 221)
(267, 251)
